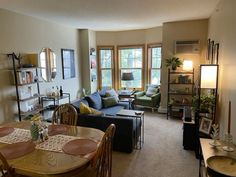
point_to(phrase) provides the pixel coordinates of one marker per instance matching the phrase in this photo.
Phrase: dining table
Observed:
(55, 156)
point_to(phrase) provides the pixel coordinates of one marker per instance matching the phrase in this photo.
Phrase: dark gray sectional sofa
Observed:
(126, 127)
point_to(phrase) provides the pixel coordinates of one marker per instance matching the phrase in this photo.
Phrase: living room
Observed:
(26, 34)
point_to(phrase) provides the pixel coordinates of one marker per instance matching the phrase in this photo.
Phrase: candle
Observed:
(229, 117)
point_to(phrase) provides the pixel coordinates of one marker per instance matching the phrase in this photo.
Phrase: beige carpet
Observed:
(162, 154)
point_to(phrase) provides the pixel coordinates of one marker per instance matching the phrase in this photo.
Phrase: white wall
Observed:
(222, 29)
(24, 34)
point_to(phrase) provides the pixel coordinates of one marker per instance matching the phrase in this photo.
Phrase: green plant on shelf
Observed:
(207, 102)
(174, 62)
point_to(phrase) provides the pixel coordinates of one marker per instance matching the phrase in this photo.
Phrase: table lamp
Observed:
(127, 76)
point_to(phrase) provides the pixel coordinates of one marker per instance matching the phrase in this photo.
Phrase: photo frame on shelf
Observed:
(215, 53)
(68, 63)
(205, 126)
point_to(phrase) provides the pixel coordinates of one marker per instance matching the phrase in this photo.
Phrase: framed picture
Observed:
(93, 62)
(215, 53)
(205, 126)
(208, 49)
(68, 63)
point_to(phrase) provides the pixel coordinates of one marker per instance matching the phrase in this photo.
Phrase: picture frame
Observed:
(93, 63)
(208, 49)
(215, 53)
(205, 126)
(68, 63)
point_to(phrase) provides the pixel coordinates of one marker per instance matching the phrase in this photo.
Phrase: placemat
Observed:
(18, 135)
(5, 131)
(12, 151)
(80, 147)
(56, 129)
(55, 143)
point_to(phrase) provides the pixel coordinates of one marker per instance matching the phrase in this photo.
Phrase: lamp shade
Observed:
(188, 65)
(208, 76)
(127, 76)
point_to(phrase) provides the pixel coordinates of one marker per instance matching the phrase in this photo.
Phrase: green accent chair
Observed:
(146, 100)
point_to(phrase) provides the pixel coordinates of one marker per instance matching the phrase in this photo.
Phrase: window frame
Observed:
(112, 48)
(149, 58)
(119, 47)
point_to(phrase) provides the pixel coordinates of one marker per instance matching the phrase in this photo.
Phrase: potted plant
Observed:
(207, 102)
(174, 62)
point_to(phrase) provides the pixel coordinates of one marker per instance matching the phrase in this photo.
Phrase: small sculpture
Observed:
(215, 135)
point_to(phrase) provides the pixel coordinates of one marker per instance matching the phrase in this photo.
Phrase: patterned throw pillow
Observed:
(109, 101)
(151, 91)
(112, 93)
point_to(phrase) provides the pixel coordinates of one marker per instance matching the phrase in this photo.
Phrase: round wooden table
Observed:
(48, 163)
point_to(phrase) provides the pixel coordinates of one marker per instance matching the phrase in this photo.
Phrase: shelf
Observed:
(174, 93)
(25, 69)
(181, 72)
(181, 83)
(180, 104)
(30, 98)
(29, 83)
(31, 112)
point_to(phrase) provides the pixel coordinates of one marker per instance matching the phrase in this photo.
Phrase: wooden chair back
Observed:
(65, 114)
(103, 159)
(5, 168)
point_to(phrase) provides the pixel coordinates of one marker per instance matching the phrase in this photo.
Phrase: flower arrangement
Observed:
(38, 129)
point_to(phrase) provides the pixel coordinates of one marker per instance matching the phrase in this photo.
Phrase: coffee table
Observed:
(137, 115)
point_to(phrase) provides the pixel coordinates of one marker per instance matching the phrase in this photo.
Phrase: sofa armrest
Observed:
(156, 99)
(139, 94)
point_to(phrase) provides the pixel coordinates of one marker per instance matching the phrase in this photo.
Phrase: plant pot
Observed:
(173, 68)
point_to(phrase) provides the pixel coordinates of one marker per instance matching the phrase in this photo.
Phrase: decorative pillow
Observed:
(94, 100)
(84, 109)
(109, 101)
(151, 91)
(112, 93)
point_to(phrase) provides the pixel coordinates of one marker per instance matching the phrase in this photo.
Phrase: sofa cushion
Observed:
(151, 90)
(109, 101)
(112, 110)
(112, 93)
(94, 100)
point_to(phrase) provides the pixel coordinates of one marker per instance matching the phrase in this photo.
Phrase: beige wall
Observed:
(222, 29)
(133, 37)
(183, 30)
(129, 37)
(19, 33)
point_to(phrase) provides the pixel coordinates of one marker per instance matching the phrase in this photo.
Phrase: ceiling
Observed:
(112, 15)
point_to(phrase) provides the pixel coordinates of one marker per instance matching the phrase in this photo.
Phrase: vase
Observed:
(34, 131)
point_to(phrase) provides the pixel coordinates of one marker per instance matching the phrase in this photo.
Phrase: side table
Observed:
(129, 100)
(137, 115)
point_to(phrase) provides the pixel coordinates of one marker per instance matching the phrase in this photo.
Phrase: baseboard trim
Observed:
(162, 110)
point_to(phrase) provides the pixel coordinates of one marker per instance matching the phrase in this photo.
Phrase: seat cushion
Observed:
(94, 100)
(143, 100)
(112, 110)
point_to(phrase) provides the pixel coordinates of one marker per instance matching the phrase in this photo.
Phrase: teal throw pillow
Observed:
(151, 91)
(109, 101)
(112, 93)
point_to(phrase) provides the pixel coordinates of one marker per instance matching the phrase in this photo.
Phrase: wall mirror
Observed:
(47, 64)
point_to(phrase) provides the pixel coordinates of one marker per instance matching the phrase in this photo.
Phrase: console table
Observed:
(208, 151)
(137, 115)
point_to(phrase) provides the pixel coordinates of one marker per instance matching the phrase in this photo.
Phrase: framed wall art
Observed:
(68, 63)
(205, 126)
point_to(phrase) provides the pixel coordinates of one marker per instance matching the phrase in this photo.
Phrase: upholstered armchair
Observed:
(150, 98)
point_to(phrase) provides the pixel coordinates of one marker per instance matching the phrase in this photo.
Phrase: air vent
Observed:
(188, 47)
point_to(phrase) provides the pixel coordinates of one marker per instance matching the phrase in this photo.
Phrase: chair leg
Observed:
(152, 109)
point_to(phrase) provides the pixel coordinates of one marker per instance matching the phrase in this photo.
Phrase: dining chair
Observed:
(65, 114)
(101, 165)
(5, 168)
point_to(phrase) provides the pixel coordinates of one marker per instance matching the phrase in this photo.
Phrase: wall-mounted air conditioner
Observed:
(188, 47)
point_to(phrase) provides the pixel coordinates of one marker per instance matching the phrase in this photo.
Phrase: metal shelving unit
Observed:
(180, 91)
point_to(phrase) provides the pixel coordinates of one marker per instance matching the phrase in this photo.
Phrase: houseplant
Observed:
(174, 62)
(207, 102)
